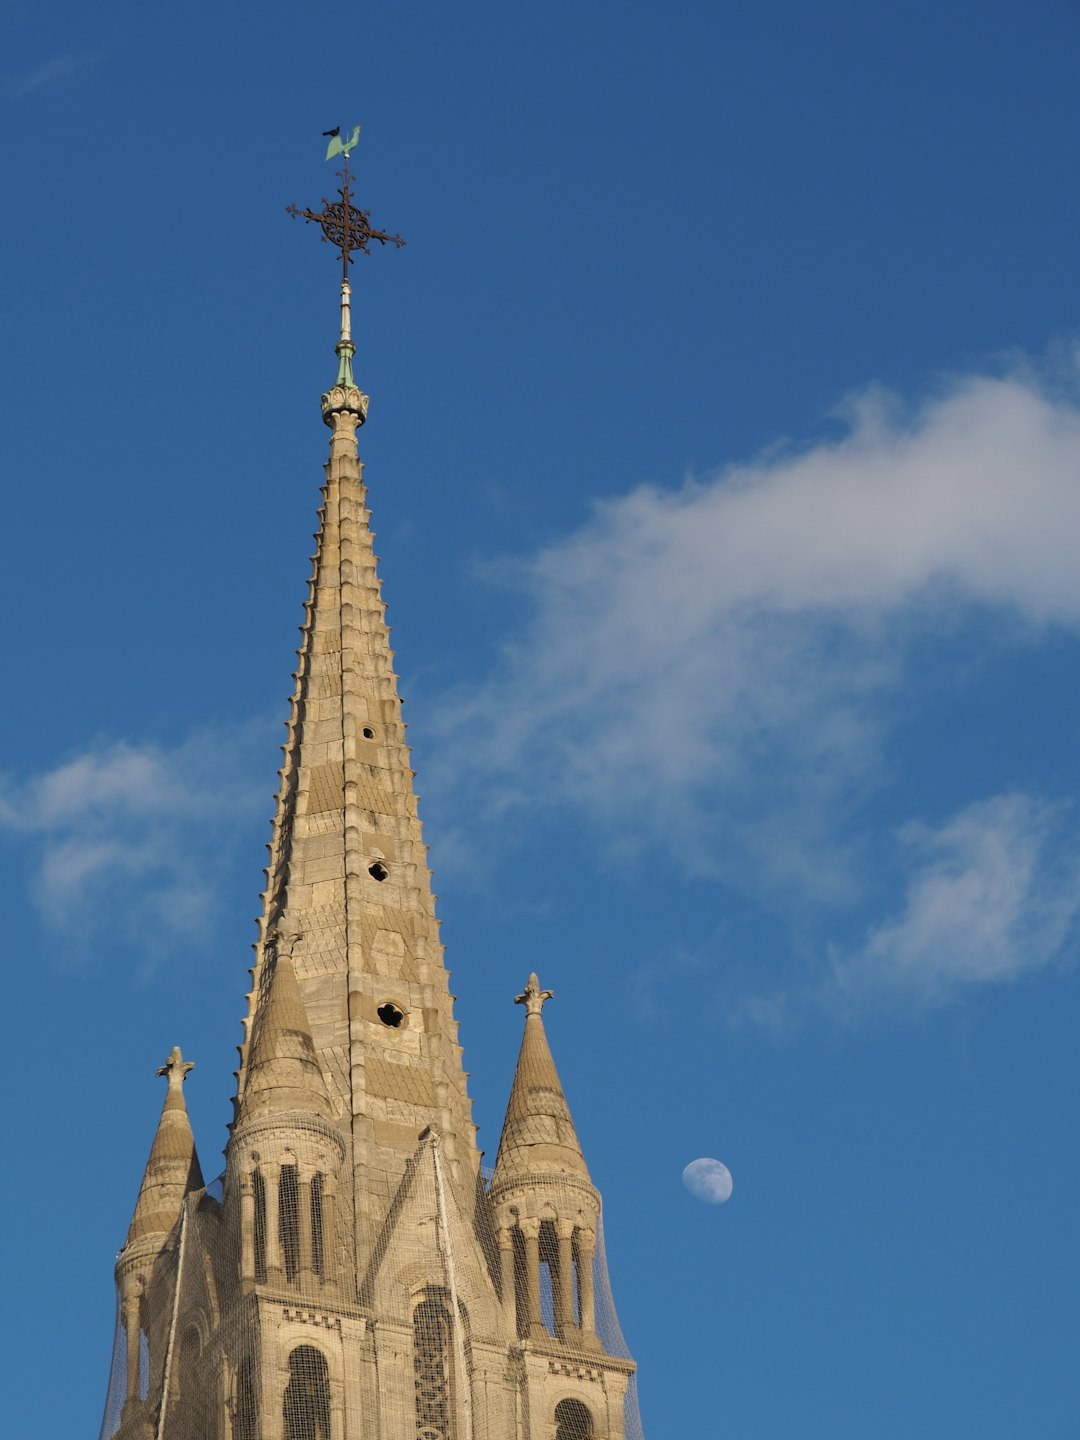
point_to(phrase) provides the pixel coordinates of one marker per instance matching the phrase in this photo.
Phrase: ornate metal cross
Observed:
(344, 225)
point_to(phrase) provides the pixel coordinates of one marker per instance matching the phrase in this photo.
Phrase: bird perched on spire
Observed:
(337, 145)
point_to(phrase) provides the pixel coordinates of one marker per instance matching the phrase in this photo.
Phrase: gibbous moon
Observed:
(708, 1180)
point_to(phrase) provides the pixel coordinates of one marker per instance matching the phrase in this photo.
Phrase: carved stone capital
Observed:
(345, 401)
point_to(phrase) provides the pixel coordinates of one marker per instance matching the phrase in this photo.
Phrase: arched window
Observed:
(259, 1190)
(192, 1382)
(289, 1220)
(572, 1421)
(318, 1243)
(549, 1275)
(307, 1396)
(432, 1344)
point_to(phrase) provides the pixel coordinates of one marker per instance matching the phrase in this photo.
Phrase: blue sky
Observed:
(724, 451)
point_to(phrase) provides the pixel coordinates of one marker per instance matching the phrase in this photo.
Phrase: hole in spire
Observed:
(390, 1014)
(378, 871)
(368, 733)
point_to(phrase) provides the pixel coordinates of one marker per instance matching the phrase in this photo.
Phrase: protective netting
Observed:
(257, 1318)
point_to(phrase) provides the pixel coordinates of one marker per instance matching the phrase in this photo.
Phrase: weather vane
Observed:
(342, 223)
(348, 229)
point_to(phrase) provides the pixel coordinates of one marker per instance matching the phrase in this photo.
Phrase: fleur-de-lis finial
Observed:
(176, 1068)
(532, 997)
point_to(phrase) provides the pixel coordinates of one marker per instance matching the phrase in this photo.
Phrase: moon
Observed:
(708, 1180)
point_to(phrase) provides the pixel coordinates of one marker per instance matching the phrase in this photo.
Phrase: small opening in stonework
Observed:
(368, 733)
(378, 871)
(390, 1015)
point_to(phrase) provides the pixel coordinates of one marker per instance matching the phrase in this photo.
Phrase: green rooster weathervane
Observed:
(349, 229)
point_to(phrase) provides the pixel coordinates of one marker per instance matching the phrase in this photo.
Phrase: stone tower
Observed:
(354, 1274)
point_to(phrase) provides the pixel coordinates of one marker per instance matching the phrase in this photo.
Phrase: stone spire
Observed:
(347, 879)
(283, 1069)
(538, 1134)
(172, 1171)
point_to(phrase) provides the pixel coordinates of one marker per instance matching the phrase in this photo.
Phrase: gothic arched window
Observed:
(192, 1382)
(258, 1187)
(307, 1396)
(289, 1220)
(318, 1241)
(431, 1368)
(573, 1421)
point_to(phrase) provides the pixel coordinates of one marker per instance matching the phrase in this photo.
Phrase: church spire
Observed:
(347, 878)
(173, 1170)
(345, 1279)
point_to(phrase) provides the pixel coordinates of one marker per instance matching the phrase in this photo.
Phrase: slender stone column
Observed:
(247, 1229)
(586, 1247)
(531, 1231)
(132, 1302)
(509, 1283)
(271, 1175)
(564, 1281)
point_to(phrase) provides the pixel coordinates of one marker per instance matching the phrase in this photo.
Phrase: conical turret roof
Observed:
(173, 1170)
(538, 1133)
(284, 1074)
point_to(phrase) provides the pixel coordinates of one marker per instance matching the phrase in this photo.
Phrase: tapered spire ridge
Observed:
(283, 1070)
(172, 1171)
(538, 1134)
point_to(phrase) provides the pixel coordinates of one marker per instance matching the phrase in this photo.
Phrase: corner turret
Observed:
(545, 1204)
(172, 1173)
(286, 1151)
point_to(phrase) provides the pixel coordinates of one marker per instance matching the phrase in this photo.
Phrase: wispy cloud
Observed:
(991, 895)
(712, 668)
(131, 840)
(52, 72)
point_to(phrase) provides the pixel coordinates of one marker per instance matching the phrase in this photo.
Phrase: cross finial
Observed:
(348, 229)
(533, 997)
(343, 224)
(176, 1068)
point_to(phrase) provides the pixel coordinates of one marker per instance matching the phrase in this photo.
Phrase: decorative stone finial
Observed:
(286, 937)
(533, 997)
(176, 1068)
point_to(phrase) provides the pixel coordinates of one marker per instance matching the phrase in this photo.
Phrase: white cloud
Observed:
(711, 669)
(52, 72)
(991, 894)
(130, 842)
